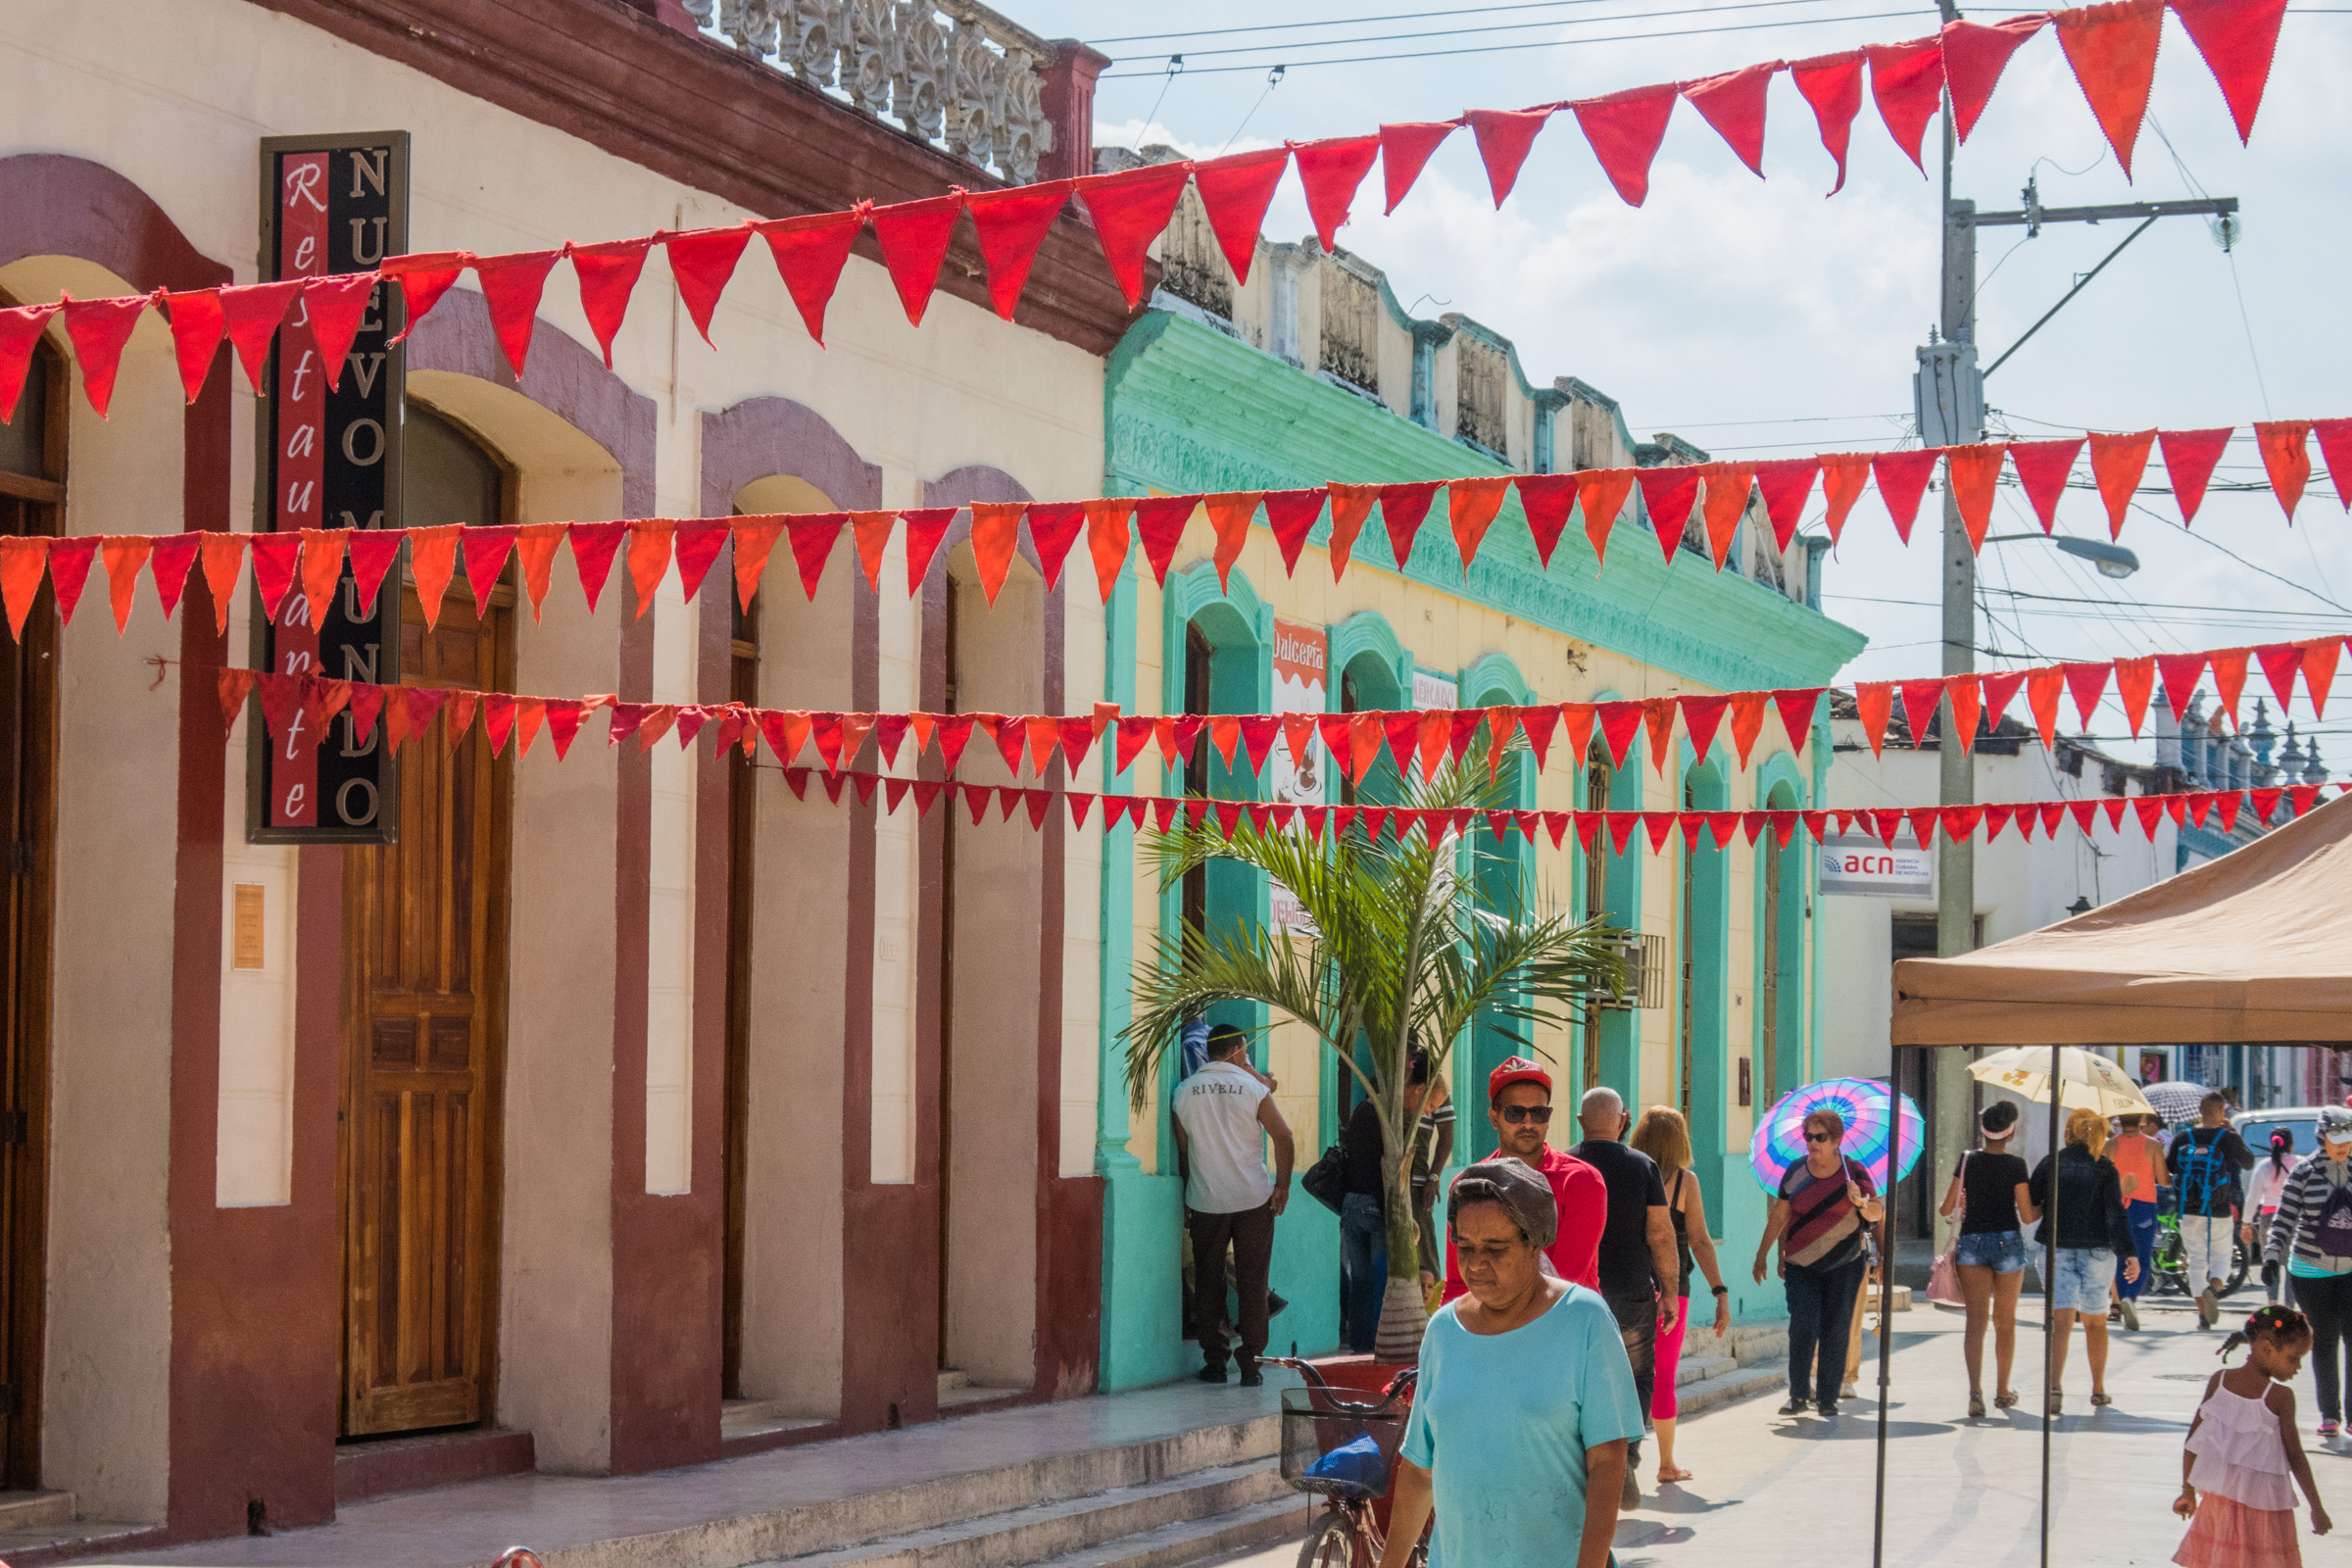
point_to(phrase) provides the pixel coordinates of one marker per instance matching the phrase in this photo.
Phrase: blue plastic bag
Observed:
(1358, 1466)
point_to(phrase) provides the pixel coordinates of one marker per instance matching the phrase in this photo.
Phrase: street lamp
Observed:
(2113, 561)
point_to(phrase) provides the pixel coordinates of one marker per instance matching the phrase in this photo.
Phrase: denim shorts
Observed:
(2003, 1251)
(2083, 1275)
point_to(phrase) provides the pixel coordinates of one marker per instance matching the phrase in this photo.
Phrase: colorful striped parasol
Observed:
(1780, 1140)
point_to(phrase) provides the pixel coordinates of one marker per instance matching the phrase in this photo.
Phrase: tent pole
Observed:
(2049, 1287)
(1894, 1165)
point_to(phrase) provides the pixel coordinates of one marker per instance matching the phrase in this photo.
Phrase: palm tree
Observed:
(1398, 948)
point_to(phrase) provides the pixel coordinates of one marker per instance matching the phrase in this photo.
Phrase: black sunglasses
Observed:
(1538, 1114)
(1818, 1137)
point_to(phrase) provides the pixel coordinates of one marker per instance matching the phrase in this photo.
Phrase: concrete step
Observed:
(755, 1418)
(76, 1541)
(1691, 1368)
(35, 1510)
(1047, 1532)
(957, 1503)
(953, 1379)
(1207, 1540)
(1728, 1387)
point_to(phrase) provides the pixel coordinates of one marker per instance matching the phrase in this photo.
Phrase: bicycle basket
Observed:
(1330, 1449)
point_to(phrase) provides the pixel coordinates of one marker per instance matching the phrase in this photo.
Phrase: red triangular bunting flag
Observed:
(2042, 468)
(1546, 499)
(2112, 49)
(1235, 190)
(511, 289)
(1625, 129)
(1733, 104)
(2238, 38)
(1786, 484)
(1130, 209)
(1832, 86)
(2117, 462)
(1292, 514)
(702, 260)
(2189, 457)
(2285, 458)
(810, 253)
(1331, 170)
(1974, 55)
(1503, 138)
(1404, 148)
(1906, 80)
(1012, 223)
(608, 275)
(914, 238)
(1903, 479)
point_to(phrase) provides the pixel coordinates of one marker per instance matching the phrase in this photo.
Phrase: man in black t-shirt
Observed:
(1639, 1267)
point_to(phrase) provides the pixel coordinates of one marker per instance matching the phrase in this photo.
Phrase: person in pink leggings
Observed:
(1665, 1138)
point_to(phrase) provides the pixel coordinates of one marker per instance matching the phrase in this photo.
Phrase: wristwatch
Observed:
(1723, 1290)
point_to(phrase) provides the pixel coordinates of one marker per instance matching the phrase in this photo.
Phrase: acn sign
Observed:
(1868, 868)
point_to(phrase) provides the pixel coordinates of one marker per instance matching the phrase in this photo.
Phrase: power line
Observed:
(1547, 43)
(1500, 27)
(1337, 21)
(2067, 599)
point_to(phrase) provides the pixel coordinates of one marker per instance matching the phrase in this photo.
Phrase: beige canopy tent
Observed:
(2255, 946)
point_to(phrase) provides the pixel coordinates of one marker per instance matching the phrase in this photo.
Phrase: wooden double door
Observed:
(424, 1007)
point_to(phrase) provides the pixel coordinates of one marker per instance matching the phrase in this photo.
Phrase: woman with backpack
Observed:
(2312, 1236)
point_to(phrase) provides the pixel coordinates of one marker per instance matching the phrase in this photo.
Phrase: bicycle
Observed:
(2171, 1272)
(1319, 1425)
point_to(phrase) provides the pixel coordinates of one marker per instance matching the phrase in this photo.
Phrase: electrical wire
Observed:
(1547, 43)
(1500, 27)
(1339, 22)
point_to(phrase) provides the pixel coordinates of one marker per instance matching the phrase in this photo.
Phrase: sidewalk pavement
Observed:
(1958, 1492)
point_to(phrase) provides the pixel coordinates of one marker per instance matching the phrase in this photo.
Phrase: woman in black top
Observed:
(2091, 1233)
(1989, 1250)
(1363, 1230)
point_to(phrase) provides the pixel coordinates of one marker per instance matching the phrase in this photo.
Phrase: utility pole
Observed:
(1949, 399)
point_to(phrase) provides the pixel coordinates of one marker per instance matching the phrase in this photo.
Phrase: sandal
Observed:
(2003, 1400)
(2057, 1401)
(2102, 1398)
(1672, 1473)
(1975, 1407)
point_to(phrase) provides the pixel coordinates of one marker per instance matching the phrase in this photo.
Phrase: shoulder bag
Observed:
(1943, 1275)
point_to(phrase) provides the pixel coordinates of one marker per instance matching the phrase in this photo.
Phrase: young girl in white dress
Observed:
(2244, 1462)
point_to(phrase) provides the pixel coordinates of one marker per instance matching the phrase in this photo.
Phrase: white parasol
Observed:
(2088, 1081)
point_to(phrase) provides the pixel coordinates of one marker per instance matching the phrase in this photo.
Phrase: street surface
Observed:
(1958, 1492)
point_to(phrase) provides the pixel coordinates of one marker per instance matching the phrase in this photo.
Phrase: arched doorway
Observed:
(1781, 1002)
(424, 922)
(32, 497)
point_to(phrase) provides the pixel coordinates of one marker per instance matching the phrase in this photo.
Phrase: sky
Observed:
(1757, 320)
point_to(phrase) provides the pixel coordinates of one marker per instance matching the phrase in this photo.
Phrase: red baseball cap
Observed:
(1517, 1070)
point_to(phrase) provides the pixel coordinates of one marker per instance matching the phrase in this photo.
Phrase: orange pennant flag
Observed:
(1657, 716)
(1973, 471)
(1600, 495)
(1229, 513)
(2135, 683)
(535, 546)
(432, 559)
(1967, 706)
(1874, 700)
(996, 533)
(2041, 696)
(1844, 476)
(755, 538)
(24, 557)
(2117, 463)
(1728, 488)
(871, 531)
(321, 568)
(1351, 506)
(125, 555)
(650, 541)
(2286, 458)
(1748, 722)
(1471, 504)
(224, 557)
(1107, 536)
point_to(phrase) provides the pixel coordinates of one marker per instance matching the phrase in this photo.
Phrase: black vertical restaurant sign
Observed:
(330, 459)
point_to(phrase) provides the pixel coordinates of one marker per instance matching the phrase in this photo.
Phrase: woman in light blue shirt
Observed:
(1526, 1400)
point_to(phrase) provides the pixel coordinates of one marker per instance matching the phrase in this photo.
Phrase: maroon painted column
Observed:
(1069, 103)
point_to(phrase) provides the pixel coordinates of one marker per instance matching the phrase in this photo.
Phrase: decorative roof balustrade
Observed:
(956, 73)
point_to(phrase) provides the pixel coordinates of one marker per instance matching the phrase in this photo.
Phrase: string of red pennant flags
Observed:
(2110, 48)
(1226, 817)
(293, 705)
(1717, 492)
(1416, 739)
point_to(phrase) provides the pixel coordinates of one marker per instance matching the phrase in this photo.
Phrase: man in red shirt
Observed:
(1519, 1104)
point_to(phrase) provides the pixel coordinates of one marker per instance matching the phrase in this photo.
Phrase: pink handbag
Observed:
(1943, 1275)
